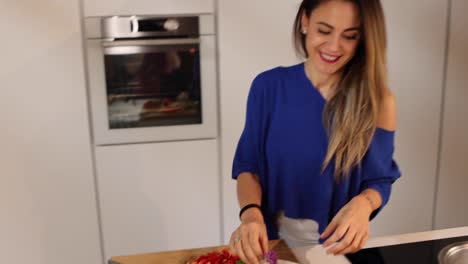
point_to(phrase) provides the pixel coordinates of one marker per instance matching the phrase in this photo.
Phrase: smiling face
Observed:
(332, 34)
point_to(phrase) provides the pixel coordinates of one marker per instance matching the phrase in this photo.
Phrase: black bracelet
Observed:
(248, 207)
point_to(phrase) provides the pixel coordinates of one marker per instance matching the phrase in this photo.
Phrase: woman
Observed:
(314, 162)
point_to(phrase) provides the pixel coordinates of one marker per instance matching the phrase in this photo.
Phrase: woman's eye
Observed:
(351, 37)
(323, 32)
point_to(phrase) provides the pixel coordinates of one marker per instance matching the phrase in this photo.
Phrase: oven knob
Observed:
(171, 24)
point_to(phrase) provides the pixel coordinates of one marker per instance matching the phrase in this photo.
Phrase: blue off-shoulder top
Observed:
(284, 142)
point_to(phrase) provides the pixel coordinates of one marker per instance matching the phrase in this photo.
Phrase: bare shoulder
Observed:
(387, 116)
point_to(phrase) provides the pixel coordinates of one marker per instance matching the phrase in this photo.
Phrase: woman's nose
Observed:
(333, 44)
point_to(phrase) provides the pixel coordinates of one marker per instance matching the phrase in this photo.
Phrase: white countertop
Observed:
(317, 254)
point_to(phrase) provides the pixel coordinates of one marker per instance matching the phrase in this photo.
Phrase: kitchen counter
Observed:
(314, 254)
(317, 254)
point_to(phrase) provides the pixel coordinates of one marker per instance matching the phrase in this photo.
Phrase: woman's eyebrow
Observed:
(331, 27)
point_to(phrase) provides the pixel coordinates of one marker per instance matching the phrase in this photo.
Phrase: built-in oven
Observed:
(151, 78)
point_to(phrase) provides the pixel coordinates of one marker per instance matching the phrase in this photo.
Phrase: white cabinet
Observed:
(146, 7)
(158, 197)
(453, 174)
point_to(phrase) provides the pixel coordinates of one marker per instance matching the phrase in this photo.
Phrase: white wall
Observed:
(416, 56)
(261, 39)
(453, 176)
(47, 200)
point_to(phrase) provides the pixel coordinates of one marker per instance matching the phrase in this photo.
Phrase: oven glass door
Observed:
(152, 83)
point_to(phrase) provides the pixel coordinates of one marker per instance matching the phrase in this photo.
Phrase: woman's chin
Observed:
(329, 70)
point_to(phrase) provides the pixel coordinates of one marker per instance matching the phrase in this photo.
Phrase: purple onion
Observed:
(271, 257)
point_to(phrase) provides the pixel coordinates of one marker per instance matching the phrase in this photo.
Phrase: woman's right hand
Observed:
(250, 240)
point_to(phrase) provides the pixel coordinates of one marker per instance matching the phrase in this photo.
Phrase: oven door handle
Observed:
(149, 42)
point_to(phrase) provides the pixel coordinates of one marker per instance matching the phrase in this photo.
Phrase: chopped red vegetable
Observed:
(224, 257)
(215, 257)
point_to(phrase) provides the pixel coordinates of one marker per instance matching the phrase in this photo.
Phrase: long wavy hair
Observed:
(350, 115)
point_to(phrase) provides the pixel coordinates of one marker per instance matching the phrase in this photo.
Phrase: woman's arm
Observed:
(249, 191)
(372, 197)
(350, 226)
(250, 240)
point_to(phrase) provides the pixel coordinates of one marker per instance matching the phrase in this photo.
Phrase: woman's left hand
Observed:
(351, 225)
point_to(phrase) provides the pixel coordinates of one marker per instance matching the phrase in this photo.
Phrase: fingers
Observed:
(239, 250)
(353, 246)
(364, 240)
(264, 241)
(254, 238)
(235, 245)
(338, 233)
(344, 243)
(330, 228)
(350, 228)
(350, 244)
(358, 243)
(232, 246)
(248, 242)
(251, 258)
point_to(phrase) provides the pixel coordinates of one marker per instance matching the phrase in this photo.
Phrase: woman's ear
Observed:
(304, 22)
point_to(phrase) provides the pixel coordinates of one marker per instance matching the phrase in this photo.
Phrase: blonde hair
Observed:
(351, 115)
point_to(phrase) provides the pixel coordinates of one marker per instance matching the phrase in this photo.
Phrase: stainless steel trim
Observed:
(105, 27)
(149, 42)
(148, 46)
(126, 50)
(134, 28)
(456, 253)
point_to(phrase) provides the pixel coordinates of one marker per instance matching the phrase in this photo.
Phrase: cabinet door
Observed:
(158, 197)
(146, 7)
(453, 175)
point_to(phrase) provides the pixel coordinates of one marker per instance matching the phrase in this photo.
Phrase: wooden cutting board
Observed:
(182, 256)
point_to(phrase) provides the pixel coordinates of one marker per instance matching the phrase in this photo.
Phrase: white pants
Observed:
(298, 232)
